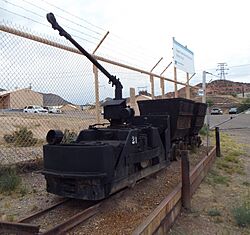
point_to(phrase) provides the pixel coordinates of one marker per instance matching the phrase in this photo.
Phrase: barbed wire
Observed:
(43, 17)
(73, 15)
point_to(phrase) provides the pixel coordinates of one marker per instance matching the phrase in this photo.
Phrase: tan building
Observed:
(19, 98)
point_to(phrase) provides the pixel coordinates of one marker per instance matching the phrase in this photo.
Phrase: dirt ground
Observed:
(225, 187)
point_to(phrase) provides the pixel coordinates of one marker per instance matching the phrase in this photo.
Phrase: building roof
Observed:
(3, 93)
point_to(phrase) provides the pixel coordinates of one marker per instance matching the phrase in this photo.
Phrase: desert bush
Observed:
(21, 138)
(204, 130)
(241, 213)
(9, 138)
(9, 180)
(214, 212)
(214, 178)
(210, 103)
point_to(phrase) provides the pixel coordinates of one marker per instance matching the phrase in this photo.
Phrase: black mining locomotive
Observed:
(103, 160)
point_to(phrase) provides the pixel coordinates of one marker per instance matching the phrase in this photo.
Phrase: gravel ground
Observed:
(19, 155)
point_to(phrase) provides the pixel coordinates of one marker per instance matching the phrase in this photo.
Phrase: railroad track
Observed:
(34, 223)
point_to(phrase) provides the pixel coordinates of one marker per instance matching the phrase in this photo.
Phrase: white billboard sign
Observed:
(183, 58)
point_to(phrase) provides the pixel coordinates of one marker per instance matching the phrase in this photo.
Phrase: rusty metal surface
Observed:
(26, 228)
(73, 221)
(39, 213)
(18, 228)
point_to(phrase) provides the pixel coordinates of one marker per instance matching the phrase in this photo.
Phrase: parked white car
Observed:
(34, 109)
(247, 111)
(53, 110)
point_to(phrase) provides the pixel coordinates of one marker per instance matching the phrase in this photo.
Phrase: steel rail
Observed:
(73, 221)
(41, 212)
(25, 225)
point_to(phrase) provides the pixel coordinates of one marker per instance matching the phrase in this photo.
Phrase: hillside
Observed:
(222, 93)
(217, 87)
(226, 87)
(50, 99)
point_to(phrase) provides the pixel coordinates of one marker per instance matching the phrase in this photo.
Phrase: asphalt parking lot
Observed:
(226, 121)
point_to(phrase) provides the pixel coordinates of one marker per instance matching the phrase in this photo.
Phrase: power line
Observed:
(43, 17)
(73, 15)
(14, 13)
(25, 17)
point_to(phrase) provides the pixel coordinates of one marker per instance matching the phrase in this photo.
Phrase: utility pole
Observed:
(222, 67)
(204, 87)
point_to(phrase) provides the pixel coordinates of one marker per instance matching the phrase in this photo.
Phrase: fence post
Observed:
(186, 190)
(217, 137)
(97, 104)
(152, 86)
(175, 84)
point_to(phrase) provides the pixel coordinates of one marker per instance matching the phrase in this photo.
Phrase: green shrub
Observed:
(210, 103)
(9, 180)
(21, 138)
(234, 94)
(214, 178)
(9, 138)
(214, 212)
(241, 214)
(204, 130)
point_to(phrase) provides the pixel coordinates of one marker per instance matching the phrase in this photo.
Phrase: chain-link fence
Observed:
(43, 88)
(47, 84)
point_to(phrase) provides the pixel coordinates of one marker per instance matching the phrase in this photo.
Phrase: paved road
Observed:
(226, 121)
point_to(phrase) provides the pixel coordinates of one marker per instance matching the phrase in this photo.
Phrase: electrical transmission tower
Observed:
(222, 67)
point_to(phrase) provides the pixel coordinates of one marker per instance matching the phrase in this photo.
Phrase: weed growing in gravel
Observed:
(214, 178)
(214, 212)
(9, 180)
(230, 167)
(246, 183)
(230, 161)
(241, 213)
(10, 218)
(23, 190)
(204, 130)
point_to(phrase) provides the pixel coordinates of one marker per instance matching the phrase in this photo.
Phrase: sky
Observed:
(141, 32)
